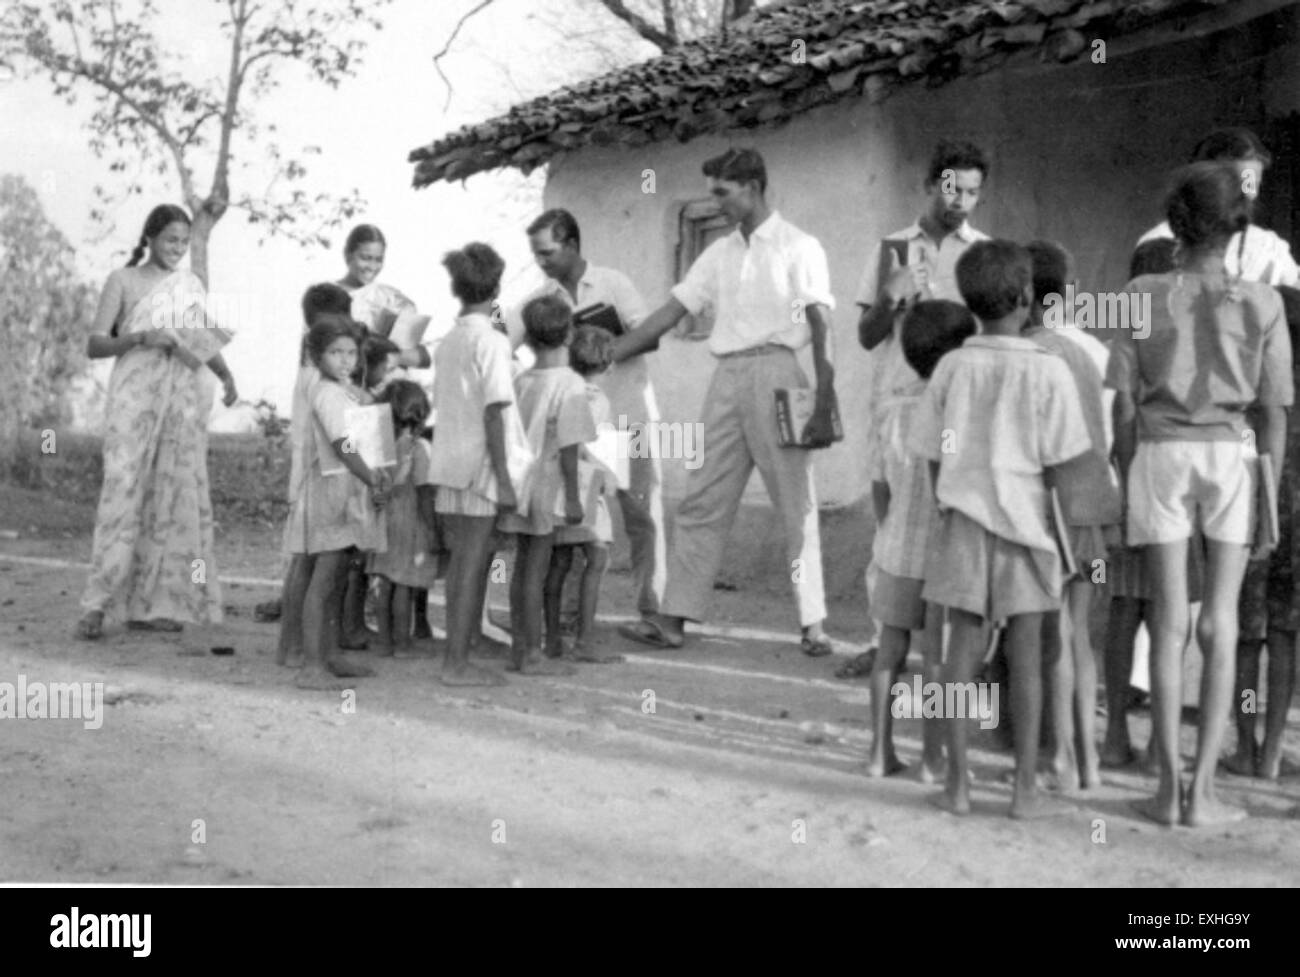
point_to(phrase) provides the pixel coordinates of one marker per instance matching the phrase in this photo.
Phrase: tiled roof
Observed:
(751, 78)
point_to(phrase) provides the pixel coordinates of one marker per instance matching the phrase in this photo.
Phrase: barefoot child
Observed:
(410, 563)
(553, 407)
(589, 356)
(333, 514)
(905, 515)
(1091, 505)
(1269, 613)
(996, 418)
(1216, 345)
(318, 301)
(474, 402)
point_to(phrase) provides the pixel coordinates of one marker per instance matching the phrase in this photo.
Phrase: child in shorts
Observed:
(1216, 345)
(905, 515)
(1090, 503)
(590, 355)
(1269, 613)
(997, 417)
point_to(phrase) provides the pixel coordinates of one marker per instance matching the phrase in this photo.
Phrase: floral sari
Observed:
(153, 549)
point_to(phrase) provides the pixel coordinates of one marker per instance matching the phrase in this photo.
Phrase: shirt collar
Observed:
(475, 319)
(1003, 342)
(765, 231)
(965, 232)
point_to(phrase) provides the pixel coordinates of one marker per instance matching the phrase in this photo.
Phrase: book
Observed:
(408, 329)
(195, 345)
(369, 432)
(1061, 533)
(794, 408)
(1267, 531)
(611, 450)
(602, 315)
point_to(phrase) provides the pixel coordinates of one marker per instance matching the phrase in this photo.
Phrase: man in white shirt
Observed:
(556, 243)
(769, 285)
(1255, 254)
(918, 262)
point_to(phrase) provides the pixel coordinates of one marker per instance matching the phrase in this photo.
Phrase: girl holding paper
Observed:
(153, 549)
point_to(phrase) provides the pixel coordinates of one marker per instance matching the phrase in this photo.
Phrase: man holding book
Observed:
(769, 285)
(606, 298)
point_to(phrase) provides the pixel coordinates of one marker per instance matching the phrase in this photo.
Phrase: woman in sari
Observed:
(153, 550)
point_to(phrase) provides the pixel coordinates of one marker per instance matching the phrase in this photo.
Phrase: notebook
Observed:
(794, 408)
(1267, 531)
(1060, 533)
(601, 315)
(369, 432)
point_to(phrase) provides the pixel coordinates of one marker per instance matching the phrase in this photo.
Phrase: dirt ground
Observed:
(749, 771)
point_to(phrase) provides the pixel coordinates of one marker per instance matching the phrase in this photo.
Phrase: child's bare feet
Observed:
(316, 677)
(885, 766)
(556, 646)
(1149, 762)
(1032, 805)
(1063, 774)
(415, 648)
(1244, 762)
(1162, 809)
(294, 658)
(1204, 812)
(1277, 766)
(1117, 756)
(468, 674)
(344, 667)
(583, 652)
(931, 772)
(535, 663)
(382, 648)
(953, 804)
(1090, 776)
(484, 645)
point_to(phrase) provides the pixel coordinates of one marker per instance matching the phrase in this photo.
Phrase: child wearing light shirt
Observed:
(993, 556)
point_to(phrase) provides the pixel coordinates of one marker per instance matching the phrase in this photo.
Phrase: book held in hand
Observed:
(369, 432)
(197, 344)
(1267, 531)
(794, 408)
(601, 315)
(1060, 532)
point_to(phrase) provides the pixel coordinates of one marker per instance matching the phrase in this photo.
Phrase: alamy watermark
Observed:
(945, 700)
(1099, 310)
(659, 439)
(53, 700)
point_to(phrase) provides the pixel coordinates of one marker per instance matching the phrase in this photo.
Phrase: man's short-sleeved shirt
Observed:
(759, 289)
(1264, 257)
(471, 371)
(890, 371)
(627, 384)
(1215, 346)
(995, 413)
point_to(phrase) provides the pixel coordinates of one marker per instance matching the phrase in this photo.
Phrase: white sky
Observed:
(515, 49)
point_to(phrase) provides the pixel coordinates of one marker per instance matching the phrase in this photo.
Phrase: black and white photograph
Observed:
(650, 444)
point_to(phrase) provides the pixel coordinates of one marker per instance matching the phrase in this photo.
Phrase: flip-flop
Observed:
(859, 666)
(91, 626)
(157, 624)
(648, 632)
(267, 611)
(819, 648)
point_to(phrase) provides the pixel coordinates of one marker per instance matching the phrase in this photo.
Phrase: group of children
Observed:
(999, 455)
(508, 456)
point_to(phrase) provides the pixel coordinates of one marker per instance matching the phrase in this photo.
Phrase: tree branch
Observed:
(447, 47)
(660, 39)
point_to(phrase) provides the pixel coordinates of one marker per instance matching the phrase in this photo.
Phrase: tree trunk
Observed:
(200, 234)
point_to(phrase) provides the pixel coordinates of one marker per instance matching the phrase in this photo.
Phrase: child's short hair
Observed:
(738, 166)
(1052, 265)
(1207, 204)
(956, 155)
(328, 327)
(993, 276)
(591, 351)
(1154, 257)
(375, 351)
(932, 328)
(547, 321)
(475, 272)
(409, 402)
(1232, 143)
(325, 298)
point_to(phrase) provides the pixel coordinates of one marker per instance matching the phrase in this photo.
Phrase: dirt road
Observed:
(748, 771)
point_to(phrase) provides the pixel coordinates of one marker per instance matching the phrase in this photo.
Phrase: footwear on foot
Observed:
(648, 631)
(91, 626)
(859, 666)
(818, 647)
(267, 611)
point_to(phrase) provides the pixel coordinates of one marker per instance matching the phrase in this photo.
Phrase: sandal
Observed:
(91, 626)
(157, 624)
(859, 666)
(649, 632)
(267, 611)
(817, 648)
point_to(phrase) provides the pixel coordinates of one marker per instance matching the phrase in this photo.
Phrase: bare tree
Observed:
(149, 115)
